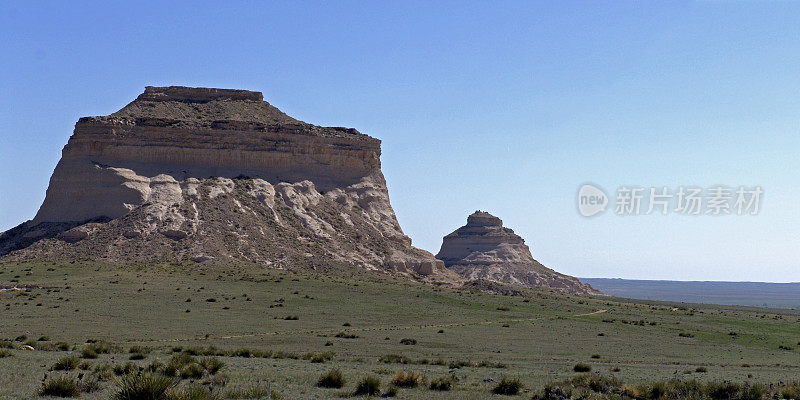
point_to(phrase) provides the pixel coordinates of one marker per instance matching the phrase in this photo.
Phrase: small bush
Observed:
(63, 346)
(137, 356)
(104, 372)
(143, 386)
(701, 369)
(6, 353)
(407, 379)
(246, 353)
(60, 386)
(139, 350)
(125, 369)
(43, 339)
(88, 354)
(508, 387)
(408, 341)
(192, 392)
(391, 392)
(67, 363)
(291, 317)
(211, 364)
(102, 347)
(192, 371)
(333, 379)
(442, 384)
(345, 335)
(393, 359)
(369, 386)
(581, 367)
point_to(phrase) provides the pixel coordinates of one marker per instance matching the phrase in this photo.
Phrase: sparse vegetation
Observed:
(368, 386)
(60, 386)
(442, 384)
(581, 367)
(407, 379)
(332, 379)
(139, 386)
(66, 363)
(508, 387)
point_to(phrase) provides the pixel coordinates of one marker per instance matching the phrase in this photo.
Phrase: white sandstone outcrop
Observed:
(210, 174)
(485, 250)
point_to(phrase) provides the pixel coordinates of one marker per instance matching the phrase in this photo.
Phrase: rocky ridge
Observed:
(205, 174)
(485, 250)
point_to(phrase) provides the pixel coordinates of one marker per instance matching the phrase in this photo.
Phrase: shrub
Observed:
(137, 356)
(192, 371)
(125, 369)
(332, 379)
(192, 392)
(104, 372)
(595, 383)
(722, 391)
(143, 386)
(508, 387)
(442, 384)
(90, 383)
(63, 346)
(43, 339)
(60, 386)
(5, 353)
(701, 369)
(408, 341)
(581, 367)
(792, 391)
(345, 335)
(407, 379)
(246, 353)
(66, 363)
(291, 317)
(391, 392)
(370, 386)
(88, 353)
(393, 359)
(139, 350)
(211, 364)
(102, 347)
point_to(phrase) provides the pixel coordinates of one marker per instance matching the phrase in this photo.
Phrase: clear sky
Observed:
(506, 107)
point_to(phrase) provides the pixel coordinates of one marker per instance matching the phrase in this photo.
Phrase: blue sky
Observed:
(502, 106)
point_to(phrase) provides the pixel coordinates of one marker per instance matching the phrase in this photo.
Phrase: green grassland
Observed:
(361, 317)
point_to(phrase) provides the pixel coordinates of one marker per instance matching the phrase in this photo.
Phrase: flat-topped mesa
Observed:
(218, 174)
(196, 95)
(198, 133)
(484, 249)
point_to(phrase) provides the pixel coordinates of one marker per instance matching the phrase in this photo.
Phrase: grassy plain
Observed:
(536, 338)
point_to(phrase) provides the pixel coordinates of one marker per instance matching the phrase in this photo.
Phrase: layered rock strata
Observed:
(206, 173)
(484, 249)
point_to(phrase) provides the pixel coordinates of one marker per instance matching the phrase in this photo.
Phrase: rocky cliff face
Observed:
(484, 249)
(215, 173)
